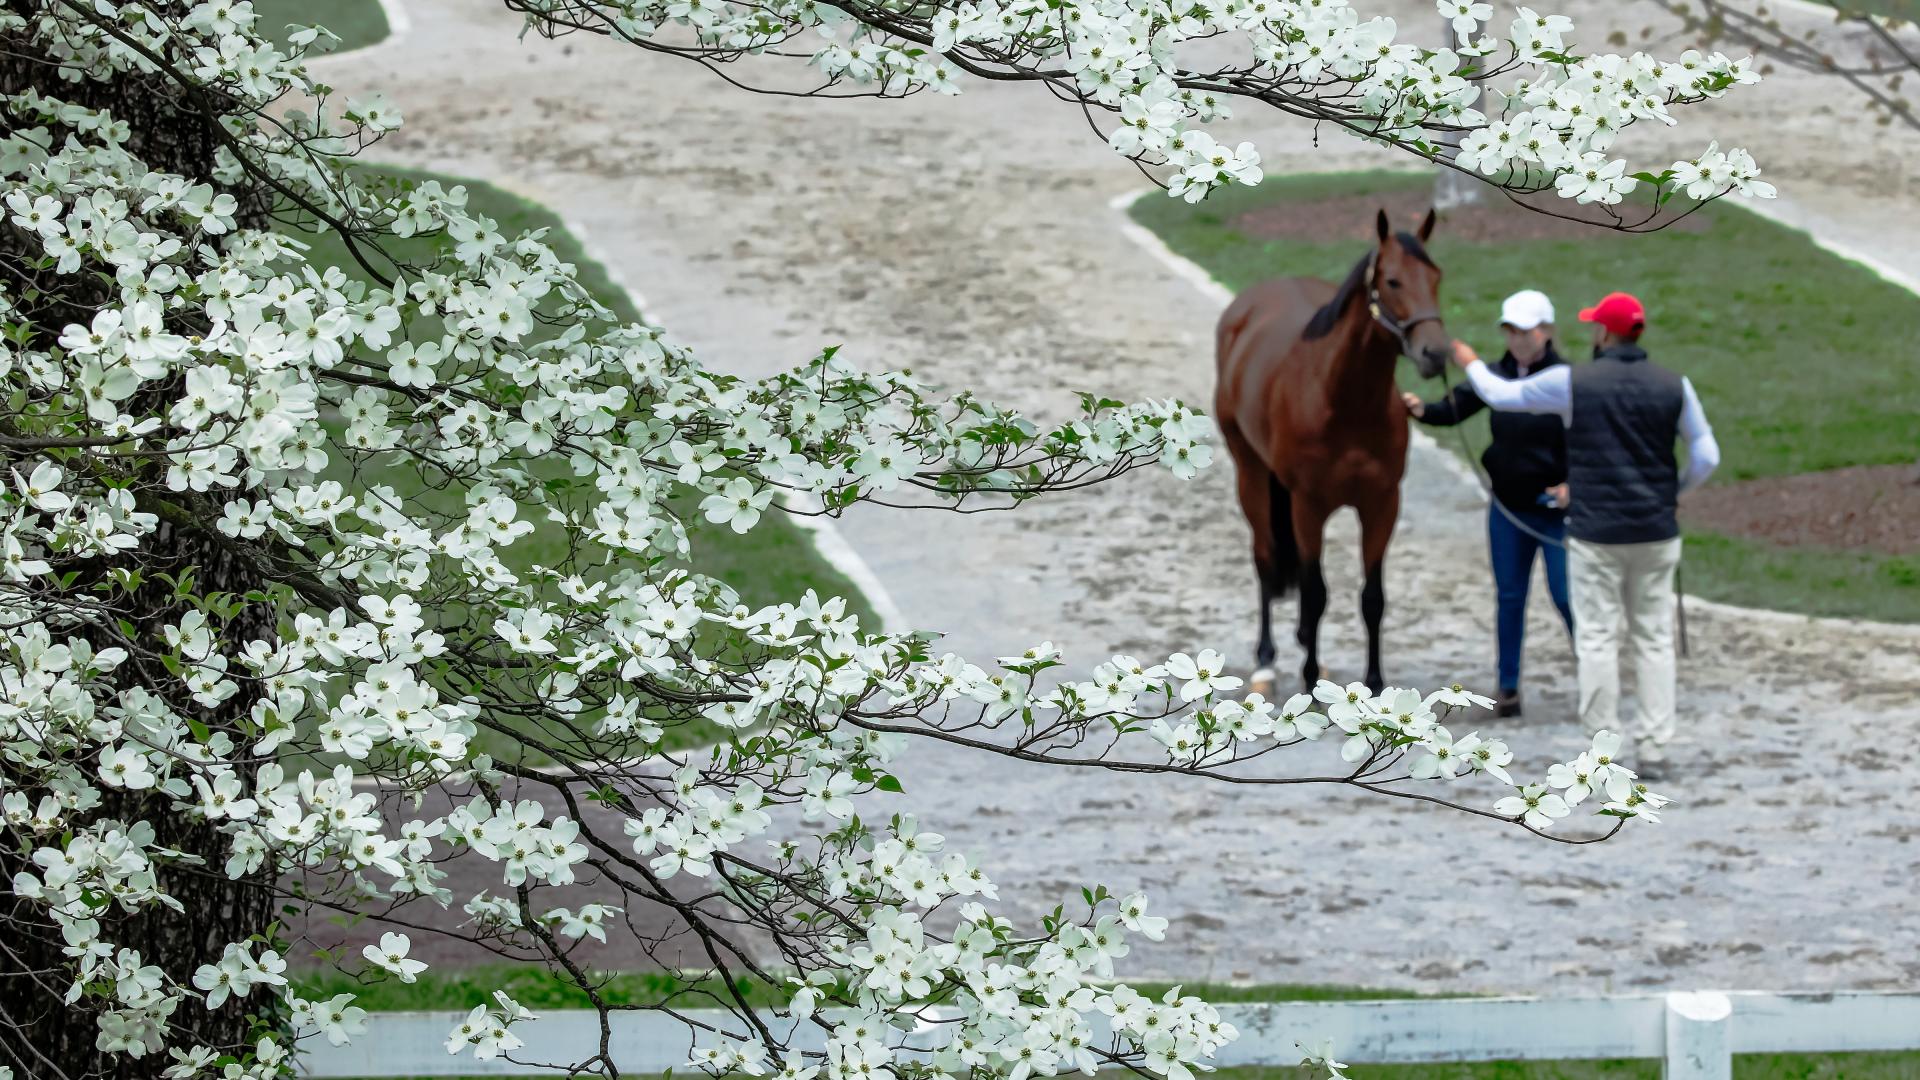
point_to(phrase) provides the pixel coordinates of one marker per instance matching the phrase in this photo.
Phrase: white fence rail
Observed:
(1696, 1034)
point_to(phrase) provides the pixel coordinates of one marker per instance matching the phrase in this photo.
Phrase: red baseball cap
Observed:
(1618, 312)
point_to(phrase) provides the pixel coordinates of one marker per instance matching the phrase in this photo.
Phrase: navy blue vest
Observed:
(1621, 472)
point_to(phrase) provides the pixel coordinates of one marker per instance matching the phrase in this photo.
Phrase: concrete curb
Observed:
(833, 547)
(1788, 214)
(398, 23)
(1197, 275)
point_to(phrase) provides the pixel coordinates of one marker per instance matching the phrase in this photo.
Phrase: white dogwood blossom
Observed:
(460, 499)
(1548, 122)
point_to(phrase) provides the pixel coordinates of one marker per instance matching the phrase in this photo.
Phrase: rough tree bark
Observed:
(170, 134)
(1452, 188)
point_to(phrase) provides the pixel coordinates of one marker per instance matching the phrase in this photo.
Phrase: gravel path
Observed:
(971, 240)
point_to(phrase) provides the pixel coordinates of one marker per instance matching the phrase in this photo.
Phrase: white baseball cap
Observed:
(1526, 309)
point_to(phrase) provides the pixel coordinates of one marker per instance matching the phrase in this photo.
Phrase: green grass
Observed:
(1801, 358)
(534, 986)
(540, 988)
(1849, 584)
(775, 562)
(358, 23)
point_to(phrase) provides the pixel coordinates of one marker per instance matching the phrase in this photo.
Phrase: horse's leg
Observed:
(1377, 516)
(1309, 530)
(1255, 485)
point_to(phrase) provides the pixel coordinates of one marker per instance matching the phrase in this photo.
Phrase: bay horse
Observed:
(1307, 405)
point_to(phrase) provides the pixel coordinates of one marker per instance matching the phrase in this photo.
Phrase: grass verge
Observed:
(538, 988)
(775, 562)
(358, 23)
(1811, 581)
(1796, 352)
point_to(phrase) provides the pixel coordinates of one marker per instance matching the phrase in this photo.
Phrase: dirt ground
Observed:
(971, 239)
(1872, 508)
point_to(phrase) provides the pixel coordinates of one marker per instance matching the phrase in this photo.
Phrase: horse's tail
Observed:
(1283, 573)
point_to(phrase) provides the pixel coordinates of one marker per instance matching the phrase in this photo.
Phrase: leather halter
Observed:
(1381, 315)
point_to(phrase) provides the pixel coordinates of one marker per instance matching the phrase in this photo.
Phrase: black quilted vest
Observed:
(1621, 471)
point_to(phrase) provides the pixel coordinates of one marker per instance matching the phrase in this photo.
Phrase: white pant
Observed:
(1608, 581)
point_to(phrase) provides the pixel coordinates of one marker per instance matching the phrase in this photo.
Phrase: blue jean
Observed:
(1511, 551)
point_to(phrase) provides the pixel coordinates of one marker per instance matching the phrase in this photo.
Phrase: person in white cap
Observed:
(1527, 462)
(1623, 414)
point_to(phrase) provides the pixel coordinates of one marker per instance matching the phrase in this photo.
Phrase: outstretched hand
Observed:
(1463, 354)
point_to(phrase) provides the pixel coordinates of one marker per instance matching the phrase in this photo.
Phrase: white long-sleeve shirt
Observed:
(1551, 391)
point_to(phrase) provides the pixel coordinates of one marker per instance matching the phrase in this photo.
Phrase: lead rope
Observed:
(1486, 485)
(1486, 482)
(1680, 609)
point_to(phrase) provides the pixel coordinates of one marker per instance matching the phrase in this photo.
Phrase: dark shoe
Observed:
(1507, 704)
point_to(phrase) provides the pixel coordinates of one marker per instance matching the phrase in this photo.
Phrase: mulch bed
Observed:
(1872, 508)
(1350, 217)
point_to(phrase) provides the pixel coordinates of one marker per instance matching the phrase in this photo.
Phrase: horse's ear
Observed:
(1426, 227)
(1380, 223)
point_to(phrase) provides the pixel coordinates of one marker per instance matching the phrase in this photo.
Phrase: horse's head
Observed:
(1405, 294)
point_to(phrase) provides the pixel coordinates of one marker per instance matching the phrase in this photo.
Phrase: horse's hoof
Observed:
(1261, 682)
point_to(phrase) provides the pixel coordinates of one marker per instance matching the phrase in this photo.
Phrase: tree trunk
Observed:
(41, 1036)
(1452, 188)
(33, 1016)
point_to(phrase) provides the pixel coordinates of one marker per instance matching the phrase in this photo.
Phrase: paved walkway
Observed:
(970, 239)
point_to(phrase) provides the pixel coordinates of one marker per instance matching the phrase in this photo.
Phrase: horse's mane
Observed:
(1328, 317)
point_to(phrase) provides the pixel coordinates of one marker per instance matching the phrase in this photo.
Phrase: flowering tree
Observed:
(282, 537)
(1871, 45)
(1155, 74)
